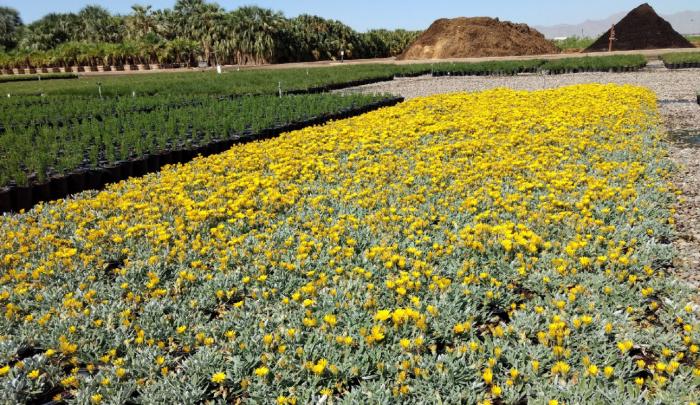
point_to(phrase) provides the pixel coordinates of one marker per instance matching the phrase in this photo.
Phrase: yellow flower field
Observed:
(490, 247)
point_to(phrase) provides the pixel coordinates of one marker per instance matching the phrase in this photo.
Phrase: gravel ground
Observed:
(676, 90)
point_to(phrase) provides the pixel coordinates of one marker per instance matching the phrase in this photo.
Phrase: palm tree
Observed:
(96, 24)
(140, 23)
(199, 21)
(256, 31)
(10, 26)
(48, 32)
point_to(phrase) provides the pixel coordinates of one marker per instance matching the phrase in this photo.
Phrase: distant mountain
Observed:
(685, 22)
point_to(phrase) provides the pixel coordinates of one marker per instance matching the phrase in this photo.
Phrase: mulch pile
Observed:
(642, 28)
(476, 37)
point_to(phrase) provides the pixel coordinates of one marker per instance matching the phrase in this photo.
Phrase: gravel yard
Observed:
(677, 92)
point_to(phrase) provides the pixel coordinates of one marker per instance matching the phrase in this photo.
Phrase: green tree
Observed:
(96, 24)
(255, 32)
(10, 26)
(140, 23)
(48, 32)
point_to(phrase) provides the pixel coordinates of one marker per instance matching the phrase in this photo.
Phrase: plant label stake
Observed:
(133, 93)
(218, 69)
(611, 38)
(99, 89)
(279, 88)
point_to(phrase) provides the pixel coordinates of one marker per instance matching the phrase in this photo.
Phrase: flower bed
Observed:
(497, 246)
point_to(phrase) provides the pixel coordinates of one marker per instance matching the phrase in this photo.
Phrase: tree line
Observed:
(192, 31)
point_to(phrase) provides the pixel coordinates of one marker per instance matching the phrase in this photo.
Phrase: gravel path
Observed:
(676, 90)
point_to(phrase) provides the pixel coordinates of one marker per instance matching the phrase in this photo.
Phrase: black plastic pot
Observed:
(112, 174)
(153, 163)
(175, 157)
(187, 155)
(5, 200)
(125, 169)
(76, 182)
(139, 167)
(41, 192)
(21, 198)
(94, 178)
(59, 187)
(210, 149)
(164, 158)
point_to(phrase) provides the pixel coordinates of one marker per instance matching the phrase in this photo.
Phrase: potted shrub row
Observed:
(100, 57)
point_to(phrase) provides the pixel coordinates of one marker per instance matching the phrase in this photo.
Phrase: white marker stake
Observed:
(218, 69)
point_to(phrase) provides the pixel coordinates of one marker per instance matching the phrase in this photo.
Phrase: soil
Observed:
(641, 28)
(477, 37)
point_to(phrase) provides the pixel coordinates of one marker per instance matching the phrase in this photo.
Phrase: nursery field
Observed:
(231, 82)
(294, 80)
(517, 253)
(681, 60)
(44, 137)
(614, 63)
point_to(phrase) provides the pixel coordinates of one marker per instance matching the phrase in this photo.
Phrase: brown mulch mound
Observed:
(477, 37)
(642, 28)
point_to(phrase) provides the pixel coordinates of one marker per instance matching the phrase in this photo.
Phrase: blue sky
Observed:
(410, 14)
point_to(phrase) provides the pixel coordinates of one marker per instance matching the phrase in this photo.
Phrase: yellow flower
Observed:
(96, 398)
(261, 371)
(218, 377)
(592, 370)
(319, 367)
(608, 371)
(487, 375)
(4, 370)
(625, 346)
(382, 315)
(330, 319)
(34, 374)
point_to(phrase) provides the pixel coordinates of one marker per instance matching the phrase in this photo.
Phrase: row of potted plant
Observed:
(88, 68)
(99, 57)
(614, 63)
(40, 150)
